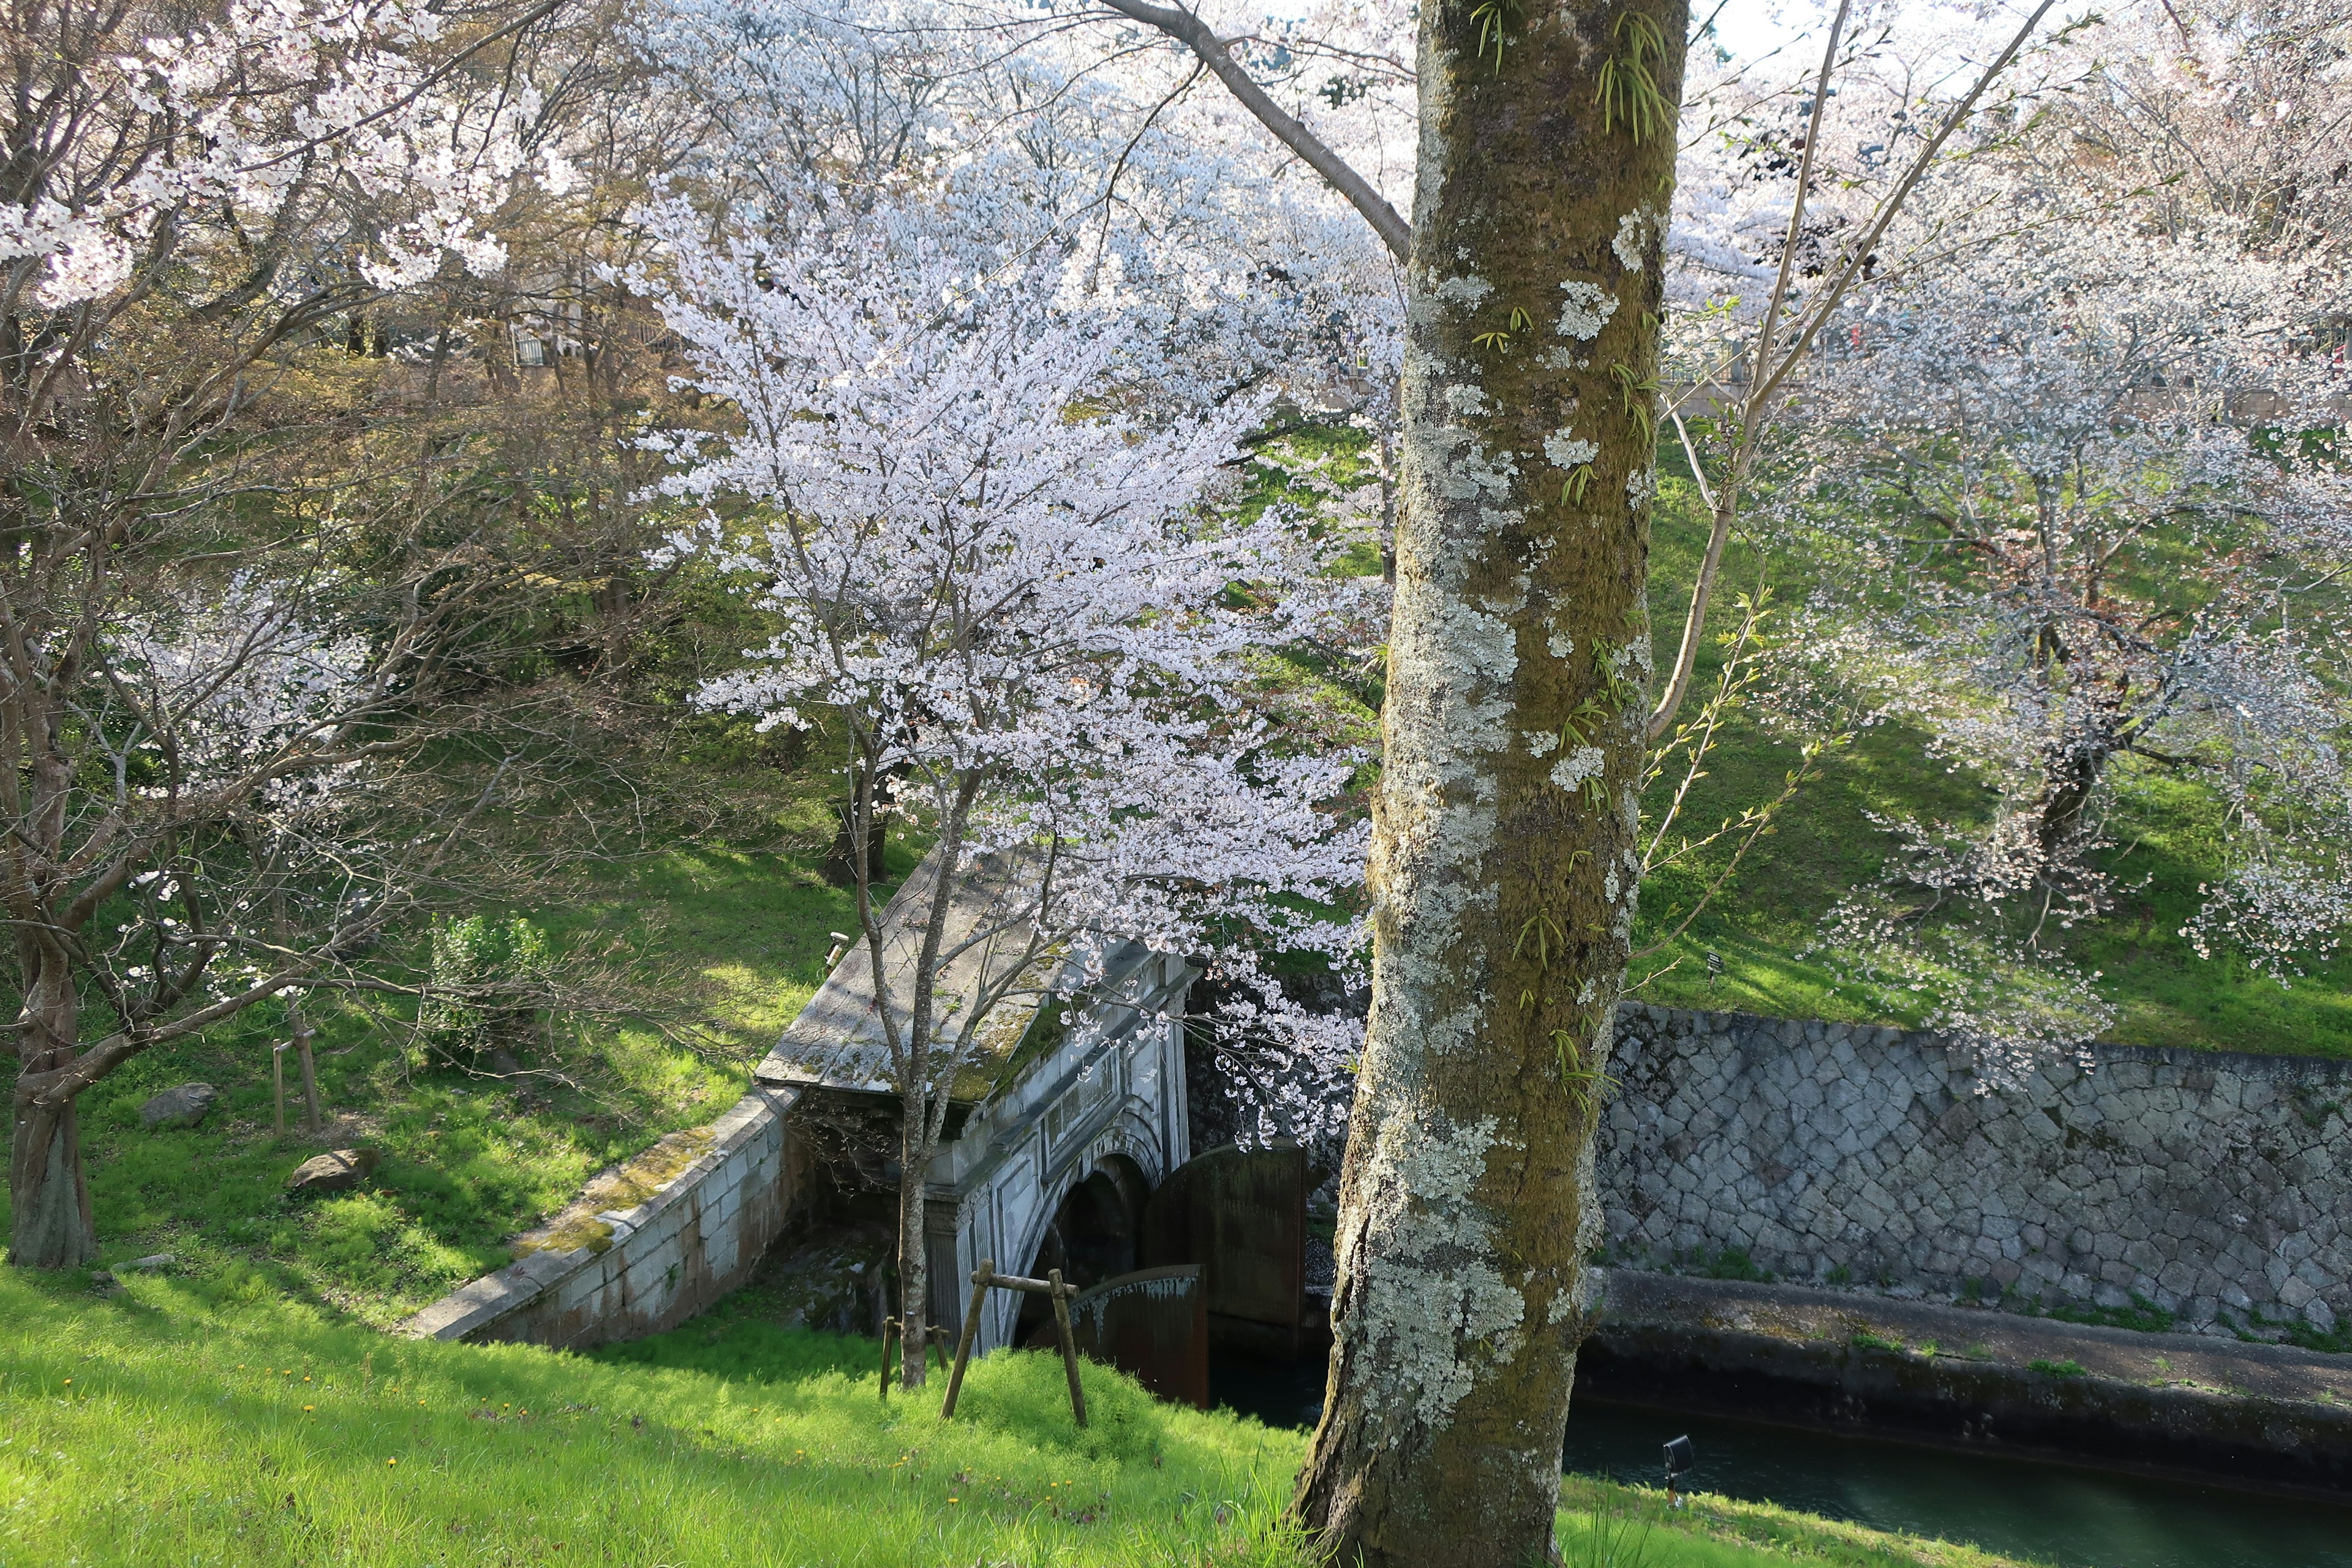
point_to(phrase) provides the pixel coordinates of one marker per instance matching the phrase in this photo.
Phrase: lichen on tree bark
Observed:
(1504, 866)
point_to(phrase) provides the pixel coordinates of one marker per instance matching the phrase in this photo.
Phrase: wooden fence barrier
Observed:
(984, 1279)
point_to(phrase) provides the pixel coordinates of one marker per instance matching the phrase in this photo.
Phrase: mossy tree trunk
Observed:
(1505, 864)
(49, 1219)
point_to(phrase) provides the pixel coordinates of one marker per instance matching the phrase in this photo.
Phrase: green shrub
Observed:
(1733, 1263)
(484, 977)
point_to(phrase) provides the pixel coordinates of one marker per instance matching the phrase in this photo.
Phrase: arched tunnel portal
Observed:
(1096, 1234)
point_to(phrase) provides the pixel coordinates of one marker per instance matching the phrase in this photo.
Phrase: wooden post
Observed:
(278, 1083)
(980, 1279)
(309, 1072)
(1062, 1294)
(889, 1338)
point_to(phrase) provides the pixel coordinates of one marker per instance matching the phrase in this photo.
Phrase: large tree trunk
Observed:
(1504, 863)
(49, 1221)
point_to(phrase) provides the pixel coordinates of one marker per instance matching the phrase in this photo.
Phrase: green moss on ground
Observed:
(625, 1186)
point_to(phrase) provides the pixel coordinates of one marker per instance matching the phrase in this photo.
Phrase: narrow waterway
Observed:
(2067, 1514)
(2075, 1516)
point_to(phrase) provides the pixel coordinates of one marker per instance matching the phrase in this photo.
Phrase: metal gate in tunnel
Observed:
(1153, 1324)
(1240, 1215)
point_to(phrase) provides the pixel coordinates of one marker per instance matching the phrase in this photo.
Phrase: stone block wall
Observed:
(2217, 1185)
(653, 1264)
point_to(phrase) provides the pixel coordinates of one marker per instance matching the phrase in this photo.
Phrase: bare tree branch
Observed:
(1195, 35)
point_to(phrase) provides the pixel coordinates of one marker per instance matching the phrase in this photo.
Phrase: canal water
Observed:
(2077, 1517)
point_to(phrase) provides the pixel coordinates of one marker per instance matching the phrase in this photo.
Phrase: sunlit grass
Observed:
(183, 1423)
(263, 1435)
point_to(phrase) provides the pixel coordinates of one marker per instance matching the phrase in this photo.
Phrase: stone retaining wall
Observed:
(651, 1266)
(2216, 1185)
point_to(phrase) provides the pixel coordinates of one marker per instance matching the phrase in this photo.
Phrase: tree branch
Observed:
(1724, 506)
(1196, 35)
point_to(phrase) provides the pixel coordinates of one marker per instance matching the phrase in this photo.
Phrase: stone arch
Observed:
(1131, 1134)
(1093, 1231)
(1131, 1137)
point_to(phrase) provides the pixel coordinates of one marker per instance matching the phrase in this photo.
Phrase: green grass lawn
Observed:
(205, 1420)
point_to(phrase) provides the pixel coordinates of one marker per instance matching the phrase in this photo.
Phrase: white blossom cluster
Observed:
(230, 678)
(992, 559)
(323, 116)
(224, 793)
(1018, 142)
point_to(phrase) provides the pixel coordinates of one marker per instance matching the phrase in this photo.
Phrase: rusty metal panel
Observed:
(1152, 1325)
(1241, 1214)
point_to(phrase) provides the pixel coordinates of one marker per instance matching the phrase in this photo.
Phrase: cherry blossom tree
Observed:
(187, 205)
(2072, 474)
(218, 791)
(986, 558)
(1234, 277)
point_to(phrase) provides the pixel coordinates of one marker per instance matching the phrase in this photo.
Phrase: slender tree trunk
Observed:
(921, 1113)
(1504, 861)
(914, 1271)
(841, 860)
(50, 1220)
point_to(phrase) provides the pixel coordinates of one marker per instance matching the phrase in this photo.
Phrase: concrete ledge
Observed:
(648, 1266)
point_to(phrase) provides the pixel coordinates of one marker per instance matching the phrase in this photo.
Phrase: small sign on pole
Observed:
(1679, 1459)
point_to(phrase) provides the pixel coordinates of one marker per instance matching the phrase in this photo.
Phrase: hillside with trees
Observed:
(528, 519)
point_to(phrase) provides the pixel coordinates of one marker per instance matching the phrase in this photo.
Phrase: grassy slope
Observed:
(1826, 843)
(265, 1434)
(468, 1160)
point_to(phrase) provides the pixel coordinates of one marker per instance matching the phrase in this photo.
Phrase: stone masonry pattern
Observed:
(2213, 1184)
(697, 1238)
